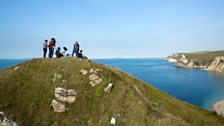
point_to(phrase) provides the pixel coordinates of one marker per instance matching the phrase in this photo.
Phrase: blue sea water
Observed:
(5, 63)
(197, 87)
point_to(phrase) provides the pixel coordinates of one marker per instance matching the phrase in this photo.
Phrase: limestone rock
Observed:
(64, 95)
(218, 107)
(95, 71)
(184, 59)
(91, 71)
(217, 64)
(93, 77)
(17, 67)
(96, 82)
(58, 106)
(113, 121)
(83, 71)
(109, 87)
(171, 60)
(4, 121)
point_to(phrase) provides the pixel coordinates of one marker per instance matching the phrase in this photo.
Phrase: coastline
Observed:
(200, 60)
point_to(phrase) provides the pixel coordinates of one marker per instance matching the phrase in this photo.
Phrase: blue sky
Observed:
(111, 28)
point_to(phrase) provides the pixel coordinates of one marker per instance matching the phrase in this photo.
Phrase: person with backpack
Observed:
(76, 49)
(45, 48)
(50, 48)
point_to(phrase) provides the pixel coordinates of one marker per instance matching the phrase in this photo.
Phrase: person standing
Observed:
(50, 47)
(54, 45)
(45, 48)
(76, 49)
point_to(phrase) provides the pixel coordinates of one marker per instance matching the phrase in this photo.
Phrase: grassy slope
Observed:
(26, 95)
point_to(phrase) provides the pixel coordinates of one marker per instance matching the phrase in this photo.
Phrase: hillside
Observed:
(211, 61)
(27, 91)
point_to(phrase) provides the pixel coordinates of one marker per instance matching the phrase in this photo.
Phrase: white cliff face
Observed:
(217, 64)
(171, 60)
(180, 60)
(184, 59)
(218, 107)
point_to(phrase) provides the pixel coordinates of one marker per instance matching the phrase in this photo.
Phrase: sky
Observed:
(111, 28)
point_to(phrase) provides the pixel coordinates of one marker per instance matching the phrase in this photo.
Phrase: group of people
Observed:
(51, 45)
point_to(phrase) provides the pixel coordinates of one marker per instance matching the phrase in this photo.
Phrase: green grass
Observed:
(26, 96)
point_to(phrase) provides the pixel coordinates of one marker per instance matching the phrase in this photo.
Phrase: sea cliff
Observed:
(211, 61)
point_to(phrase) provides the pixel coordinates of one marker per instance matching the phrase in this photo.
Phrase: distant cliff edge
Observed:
(211, 61)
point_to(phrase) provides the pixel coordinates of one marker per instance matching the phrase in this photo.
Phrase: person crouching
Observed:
(58, 53)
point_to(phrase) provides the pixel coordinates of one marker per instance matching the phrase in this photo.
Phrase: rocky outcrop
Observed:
(109, 87)
(64, 95)
(94, 77)
(113, 121)
(58, 106)
(17, 67)
(217, 64)
(83, 71)
(181, 60)
(5, 121)
(218, 107)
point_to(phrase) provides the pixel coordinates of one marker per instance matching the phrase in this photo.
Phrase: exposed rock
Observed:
(109, 87)
(184, 59)
(17, 67)
(113, 121)
(4, 121)
(171, 60)
(95, 79)
(96, 82)
(218, 107)
(64, 95)
(83, 71)
(91, 71)
(217, 64)
(58, 106)
(95, 71)
(180, 60)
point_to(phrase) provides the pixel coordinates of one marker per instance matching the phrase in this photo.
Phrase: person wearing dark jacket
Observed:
(76, 49)
(80, 55)
(58, 53)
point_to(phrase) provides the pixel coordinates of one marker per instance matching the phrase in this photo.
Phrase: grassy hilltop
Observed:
(26, 94)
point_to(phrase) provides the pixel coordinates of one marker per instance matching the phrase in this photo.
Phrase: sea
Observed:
(194, 86)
